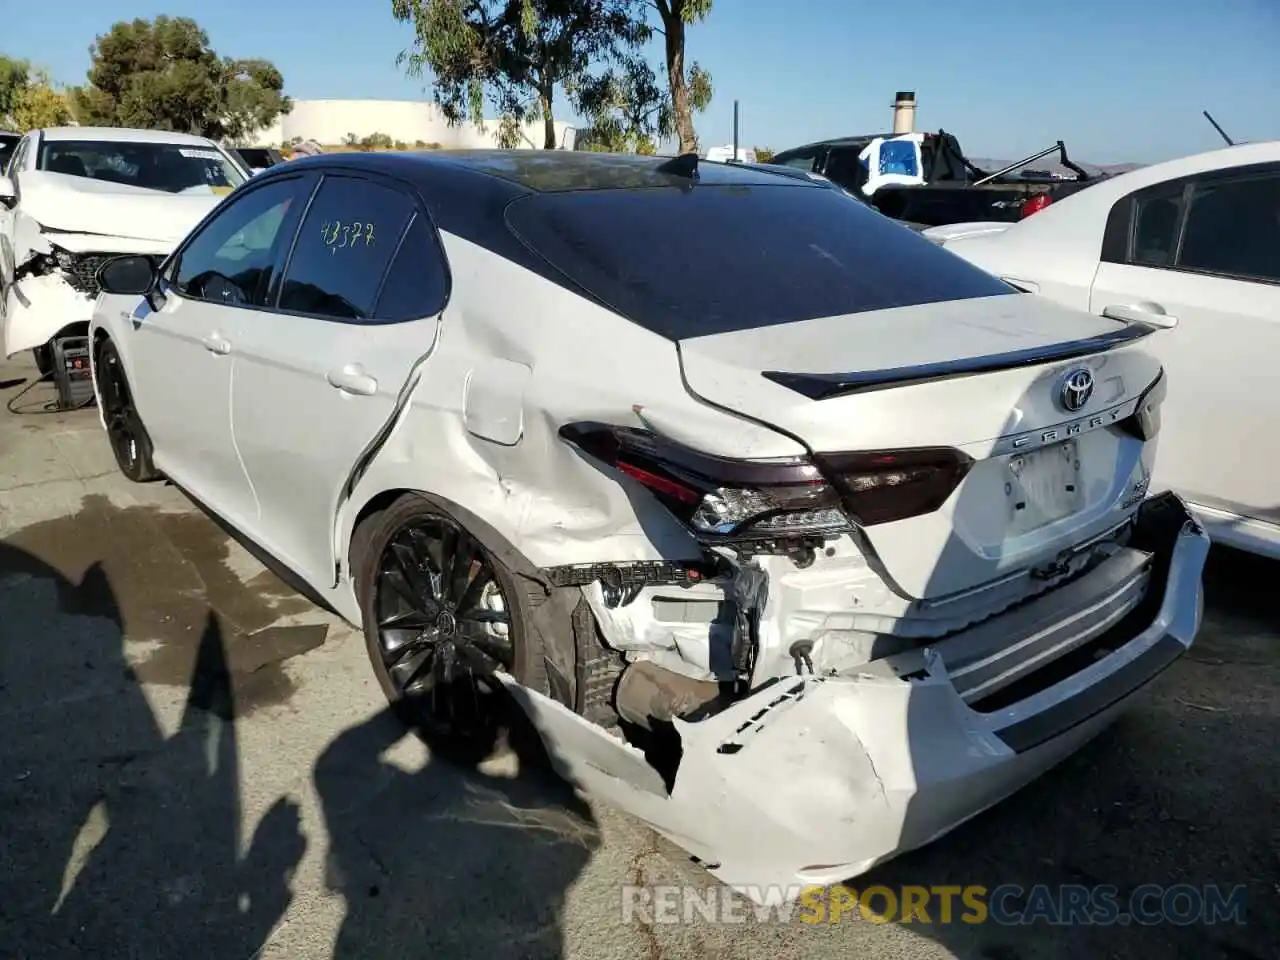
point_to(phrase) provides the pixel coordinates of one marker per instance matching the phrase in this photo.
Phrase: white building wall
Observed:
(330, 121)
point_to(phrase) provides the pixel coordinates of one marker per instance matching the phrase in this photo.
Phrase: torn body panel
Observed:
(815, 779)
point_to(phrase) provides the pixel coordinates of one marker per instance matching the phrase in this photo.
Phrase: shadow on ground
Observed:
(447, 863)
(1184, 790)
(124, 839)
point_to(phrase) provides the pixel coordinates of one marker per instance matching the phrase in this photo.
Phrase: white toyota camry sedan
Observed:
(795, 535)
(1192, 245)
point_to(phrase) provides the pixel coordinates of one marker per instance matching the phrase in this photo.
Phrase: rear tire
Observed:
(129, 440)
(441, 615)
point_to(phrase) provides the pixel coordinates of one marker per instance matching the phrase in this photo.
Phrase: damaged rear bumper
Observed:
(813, 780)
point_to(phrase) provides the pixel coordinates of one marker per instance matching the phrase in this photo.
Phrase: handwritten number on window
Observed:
(338, 235)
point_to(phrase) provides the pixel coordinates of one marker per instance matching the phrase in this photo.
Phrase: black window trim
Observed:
(1122, 223)
(418, 209)
(173, 262)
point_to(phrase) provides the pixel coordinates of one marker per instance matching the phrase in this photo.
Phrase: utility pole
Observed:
(735, 130)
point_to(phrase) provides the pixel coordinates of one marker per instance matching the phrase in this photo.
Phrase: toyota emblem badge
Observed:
(1076, 389)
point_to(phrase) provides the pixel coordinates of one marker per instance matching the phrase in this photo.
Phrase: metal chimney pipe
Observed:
(904, 111)
(735, 130)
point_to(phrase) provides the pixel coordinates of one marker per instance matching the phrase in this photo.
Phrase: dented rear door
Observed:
(320, 377)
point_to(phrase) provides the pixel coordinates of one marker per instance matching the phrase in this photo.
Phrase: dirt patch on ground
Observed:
(164, 579)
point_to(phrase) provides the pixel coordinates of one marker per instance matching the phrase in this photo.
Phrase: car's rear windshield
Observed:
(710, 259)
(167, 167)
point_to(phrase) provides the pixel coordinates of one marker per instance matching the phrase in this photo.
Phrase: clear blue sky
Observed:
(1119, 80)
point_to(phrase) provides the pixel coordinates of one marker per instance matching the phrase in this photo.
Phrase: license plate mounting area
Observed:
(1043, 486)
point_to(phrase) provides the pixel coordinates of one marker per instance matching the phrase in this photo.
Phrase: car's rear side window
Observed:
(710, 259)
(351, 231)
(418, 282)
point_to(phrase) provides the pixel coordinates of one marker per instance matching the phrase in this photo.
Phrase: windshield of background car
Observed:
(166, 167)
(710, 259)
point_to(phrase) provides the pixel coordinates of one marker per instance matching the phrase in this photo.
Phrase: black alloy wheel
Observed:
(125, 432)
(442, 612)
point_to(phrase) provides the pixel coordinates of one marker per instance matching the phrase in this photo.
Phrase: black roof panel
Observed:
(548, 171)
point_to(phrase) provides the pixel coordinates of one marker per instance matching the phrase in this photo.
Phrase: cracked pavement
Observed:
(198, 759)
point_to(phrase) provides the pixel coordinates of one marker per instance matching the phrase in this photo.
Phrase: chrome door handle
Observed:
(216, 344)
(352, 379)
(1152, 314)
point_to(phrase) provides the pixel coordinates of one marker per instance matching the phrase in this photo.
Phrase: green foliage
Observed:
(628, 107)
(513, 55)
(38, 104)
(13, 77)
(763, 154)
(689, 87)
(163, 75)
(29, 99)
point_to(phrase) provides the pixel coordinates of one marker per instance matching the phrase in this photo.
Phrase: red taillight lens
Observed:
(720, 498)
(659, 483)
(881, 486)
(1035, 205)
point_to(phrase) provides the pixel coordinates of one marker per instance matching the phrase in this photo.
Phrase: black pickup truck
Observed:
(953, 189)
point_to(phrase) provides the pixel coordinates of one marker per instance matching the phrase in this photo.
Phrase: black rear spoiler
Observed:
(822, 386)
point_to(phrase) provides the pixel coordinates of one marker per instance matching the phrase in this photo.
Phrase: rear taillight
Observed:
(720, 498)
(724, 498)
(886, 485)
(1035, 205)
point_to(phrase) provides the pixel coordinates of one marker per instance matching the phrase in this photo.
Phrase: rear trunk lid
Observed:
(795, 305)
(983, 376)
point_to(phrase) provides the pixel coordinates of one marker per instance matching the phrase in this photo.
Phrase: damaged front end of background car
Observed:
(55, 239)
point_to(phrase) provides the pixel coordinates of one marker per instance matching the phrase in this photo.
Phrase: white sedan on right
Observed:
(1192, 245)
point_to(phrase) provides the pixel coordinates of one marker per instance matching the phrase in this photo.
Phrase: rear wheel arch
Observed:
(548, 612)
(490, 538)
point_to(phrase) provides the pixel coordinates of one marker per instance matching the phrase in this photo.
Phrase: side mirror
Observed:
(8, 192)
(131, 274)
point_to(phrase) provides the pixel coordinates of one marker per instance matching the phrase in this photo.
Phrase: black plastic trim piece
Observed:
(821, 386)
(1057, 720)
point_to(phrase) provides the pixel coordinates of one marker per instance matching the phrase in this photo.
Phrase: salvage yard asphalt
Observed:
(195, 761)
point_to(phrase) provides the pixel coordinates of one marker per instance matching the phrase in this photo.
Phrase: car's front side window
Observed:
(352, 229)
(1233, 228)
(232, 258)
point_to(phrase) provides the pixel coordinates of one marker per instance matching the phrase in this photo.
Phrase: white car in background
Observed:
(71, 197)
(1192, 245)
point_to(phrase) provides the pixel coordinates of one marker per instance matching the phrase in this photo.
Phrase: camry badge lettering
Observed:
(1072, 429)
(1075, 390)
